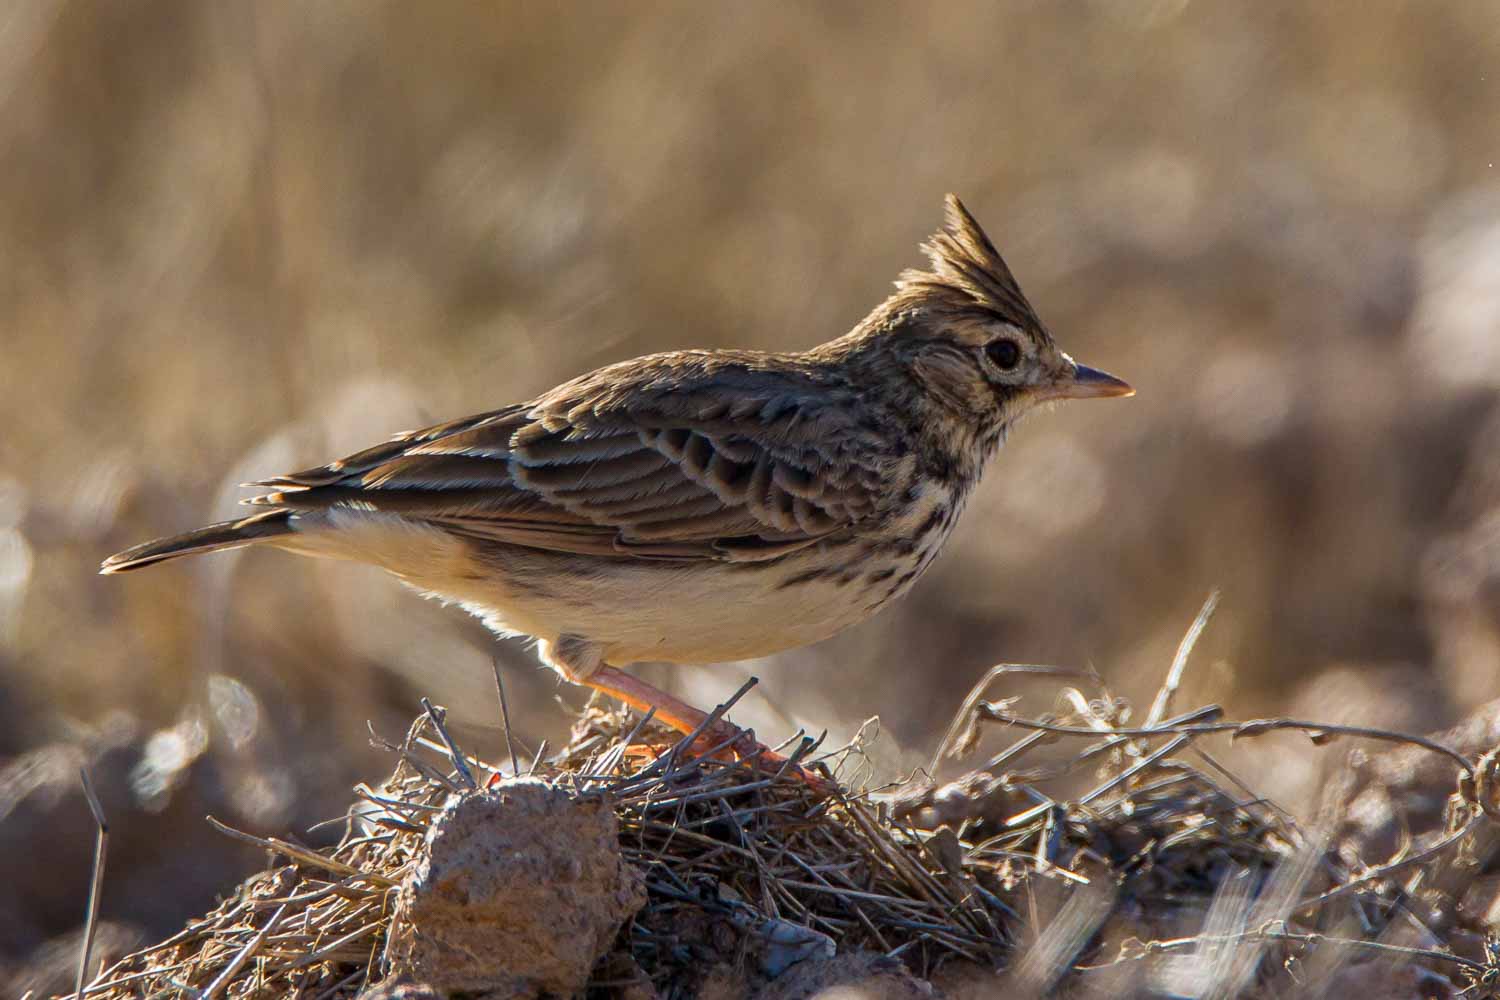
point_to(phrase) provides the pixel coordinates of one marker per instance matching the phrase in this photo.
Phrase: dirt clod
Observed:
(521, 889)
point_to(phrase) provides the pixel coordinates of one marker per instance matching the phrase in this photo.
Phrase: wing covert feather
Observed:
(686, 456)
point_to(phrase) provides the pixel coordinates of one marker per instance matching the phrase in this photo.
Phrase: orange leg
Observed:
(685, 718)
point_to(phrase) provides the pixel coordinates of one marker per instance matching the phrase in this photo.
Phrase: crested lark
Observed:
(696, 506)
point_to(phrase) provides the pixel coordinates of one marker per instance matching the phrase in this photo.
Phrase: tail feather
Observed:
(223, 535)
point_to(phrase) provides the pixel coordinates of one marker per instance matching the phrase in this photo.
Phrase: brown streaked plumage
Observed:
(696, 506)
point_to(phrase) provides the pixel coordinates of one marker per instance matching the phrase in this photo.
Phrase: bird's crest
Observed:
(965, 262)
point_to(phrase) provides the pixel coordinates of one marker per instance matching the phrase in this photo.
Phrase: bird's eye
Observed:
(1004, 353)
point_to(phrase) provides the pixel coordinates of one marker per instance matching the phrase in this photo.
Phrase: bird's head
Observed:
(970, 340)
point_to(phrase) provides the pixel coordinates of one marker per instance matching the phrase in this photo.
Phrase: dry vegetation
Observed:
(1167, 877)
(238, 238)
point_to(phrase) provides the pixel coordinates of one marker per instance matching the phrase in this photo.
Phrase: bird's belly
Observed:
(638, 611)
(700, 612)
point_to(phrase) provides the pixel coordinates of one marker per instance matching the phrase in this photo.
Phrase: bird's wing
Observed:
(682, 457)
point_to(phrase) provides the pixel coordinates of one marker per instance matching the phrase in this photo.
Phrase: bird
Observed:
(695, 506)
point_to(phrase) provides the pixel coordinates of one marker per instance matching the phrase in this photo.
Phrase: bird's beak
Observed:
(1088, 383)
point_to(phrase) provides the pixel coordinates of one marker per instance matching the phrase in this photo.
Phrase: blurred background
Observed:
(237, 239)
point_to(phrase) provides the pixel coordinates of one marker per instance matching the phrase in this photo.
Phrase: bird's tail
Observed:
(224, 535)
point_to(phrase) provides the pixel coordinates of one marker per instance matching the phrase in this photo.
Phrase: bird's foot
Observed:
(718, 737)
